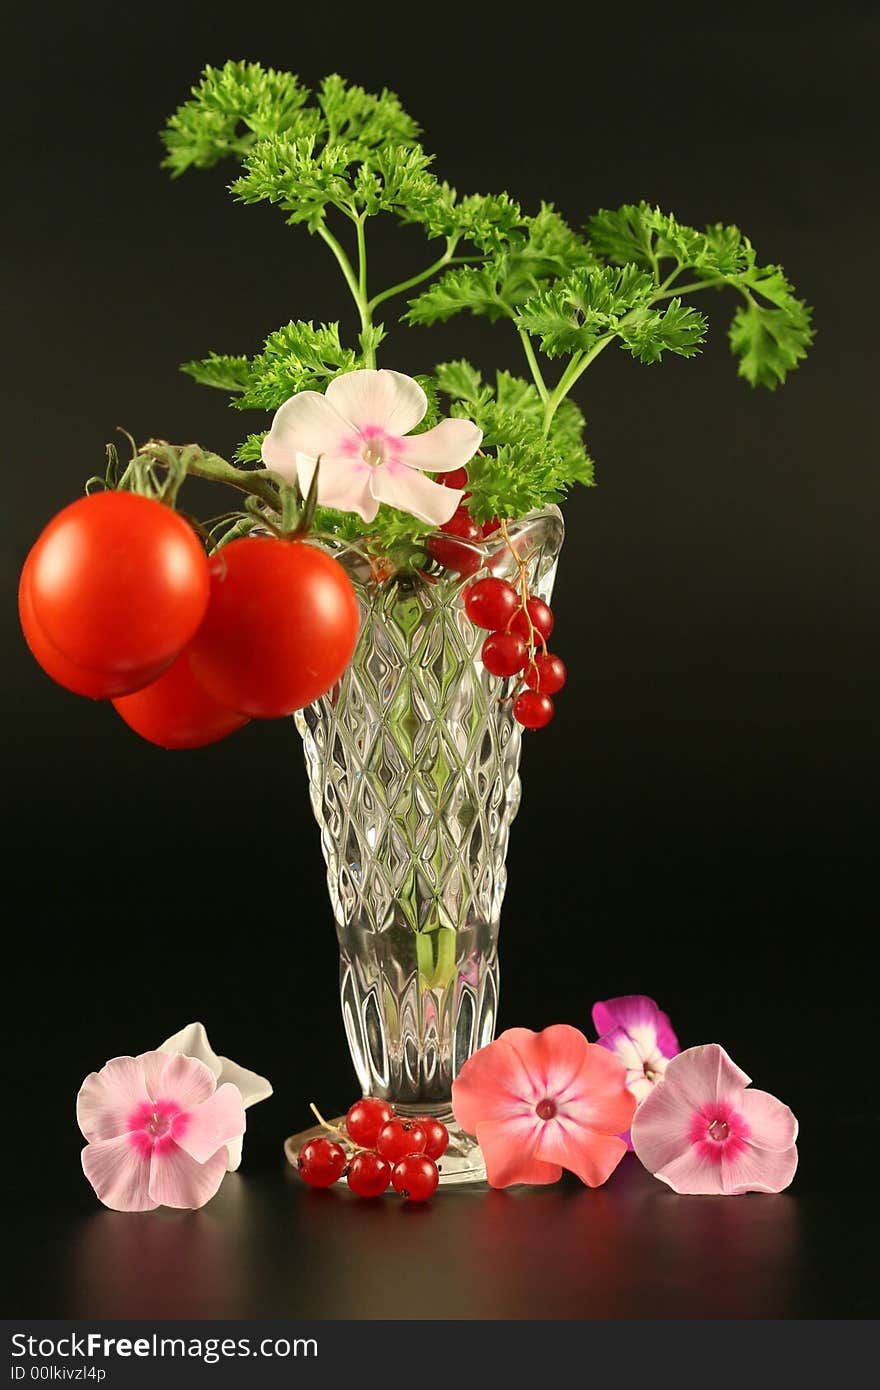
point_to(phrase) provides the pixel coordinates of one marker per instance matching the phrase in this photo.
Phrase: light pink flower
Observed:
(701, 1131)
(640, 1034)
(157, 1128)
(541, 1102)
(192, 1041)
(360, 428)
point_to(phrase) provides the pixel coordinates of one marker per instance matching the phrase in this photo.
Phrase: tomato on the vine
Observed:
(96, 685)
(281, 626)
(175, 711)
(119, 584)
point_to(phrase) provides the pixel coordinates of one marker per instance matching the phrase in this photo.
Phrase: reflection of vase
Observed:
(413, 763)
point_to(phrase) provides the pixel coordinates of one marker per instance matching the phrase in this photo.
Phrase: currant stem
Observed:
(333, 1129)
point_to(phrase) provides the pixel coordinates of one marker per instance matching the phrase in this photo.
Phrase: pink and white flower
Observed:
(541, 1102)
(157, 1127)
(640, 1034)
(192, 1041)
(360, 428)
(702, 1131)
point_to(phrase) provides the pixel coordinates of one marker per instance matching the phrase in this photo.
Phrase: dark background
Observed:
(699, 823)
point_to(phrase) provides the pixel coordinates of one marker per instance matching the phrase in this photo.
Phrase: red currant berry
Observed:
(547, 673)
(491, 603)
(368, 1174)
(504, 653)
(415, 1177)
(542, 619)
(321, 1162)
(449, 551)
(457, 478)
(365, 1118)
(398, 1138)
(532, 709)
(437, 1136)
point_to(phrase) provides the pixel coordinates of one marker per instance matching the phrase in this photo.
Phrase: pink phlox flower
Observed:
(702, 1131)
(361, 428)
(192, 1041)
(541, 1102)
(637, 1031)
(157, 1127)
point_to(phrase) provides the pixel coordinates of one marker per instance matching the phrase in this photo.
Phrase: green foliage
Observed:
(231, 108)
(770, 338)
(526, 254)
(579, 309)
(526, 468)
(339, 157)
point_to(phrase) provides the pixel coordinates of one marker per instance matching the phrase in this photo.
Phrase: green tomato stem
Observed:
(200, 463)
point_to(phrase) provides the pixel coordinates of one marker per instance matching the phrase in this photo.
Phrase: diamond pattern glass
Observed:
(413, 765)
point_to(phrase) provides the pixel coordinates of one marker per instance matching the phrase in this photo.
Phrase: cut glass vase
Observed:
(413, 766)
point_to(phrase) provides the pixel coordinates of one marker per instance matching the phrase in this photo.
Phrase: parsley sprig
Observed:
(337, 158)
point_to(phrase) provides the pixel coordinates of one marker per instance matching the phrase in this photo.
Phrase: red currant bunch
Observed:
(518, 627)
(385, 1150)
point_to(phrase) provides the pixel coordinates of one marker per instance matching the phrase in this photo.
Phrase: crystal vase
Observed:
(413, 765)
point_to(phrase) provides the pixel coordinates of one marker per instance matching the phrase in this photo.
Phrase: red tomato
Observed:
(281, 626)
(119, 583)
(97, 685)
(176, 712)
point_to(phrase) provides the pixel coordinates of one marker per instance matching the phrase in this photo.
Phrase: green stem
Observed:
(444, 260)
(664, 293)
(202, 464)
(578, 364)
(356, 284)
(532, 360)
(362, 259)
(580, 361)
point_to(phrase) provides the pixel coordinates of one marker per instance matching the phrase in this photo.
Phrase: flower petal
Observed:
(305, 424)
(661, 1126)
(119, 1171)
(107, 1098)
(176, 1180)
(553, 1058)
(184, 1080)
(211, 1124)
(618, 1041)
(410, 491)
(252, 1086)
(692, 1173)
(451, 444)
(771, 1123)
(493, 1084)
(753, 1169)
(598, 1097)
(192, 1041)
(640, 1016)
(706, 1073)
(384, 399)
(343, 483)
(593, 1157)
(508, 1151)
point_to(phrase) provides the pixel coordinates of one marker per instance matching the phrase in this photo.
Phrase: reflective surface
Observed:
(268, 1247)
(631, 1249)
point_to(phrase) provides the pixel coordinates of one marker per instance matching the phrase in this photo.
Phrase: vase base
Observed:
(461, 1163)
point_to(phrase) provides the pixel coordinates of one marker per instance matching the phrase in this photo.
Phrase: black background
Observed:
(699, 822)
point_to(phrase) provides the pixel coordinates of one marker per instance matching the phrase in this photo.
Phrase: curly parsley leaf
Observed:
(575, 312)
(678, 328)
(298, 357)
(231, 108)
(225, 373)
